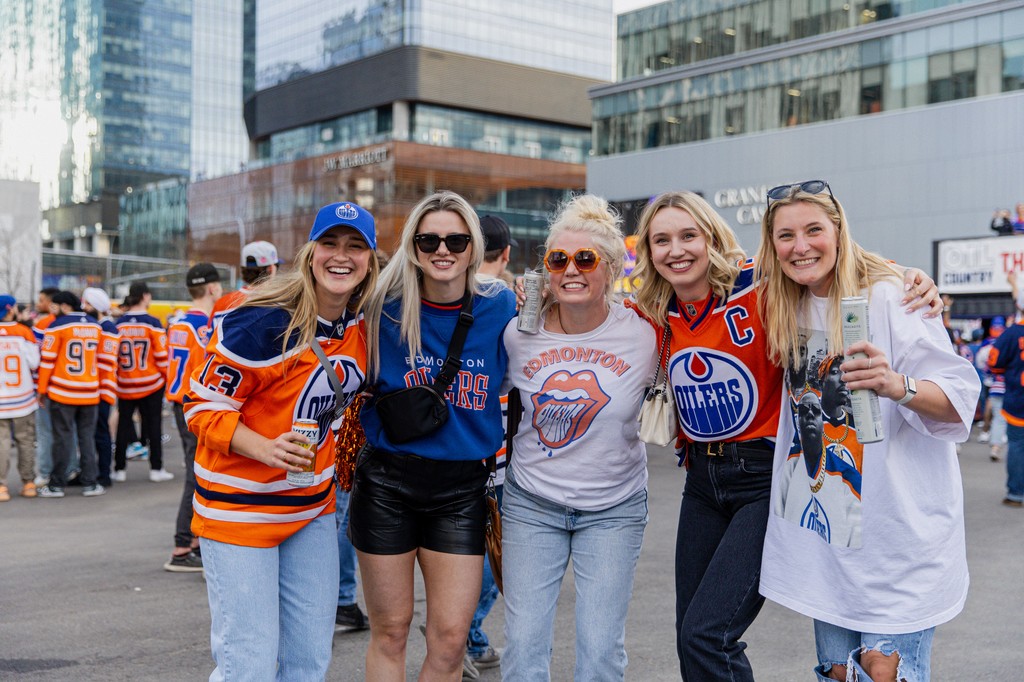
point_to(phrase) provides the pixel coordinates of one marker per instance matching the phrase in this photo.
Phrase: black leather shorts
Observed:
(401, 502)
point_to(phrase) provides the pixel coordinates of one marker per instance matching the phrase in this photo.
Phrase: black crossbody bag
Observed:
(419, 410)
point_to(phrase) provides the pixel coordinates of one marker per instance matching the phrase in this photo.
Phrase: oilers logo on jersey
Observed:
(715, 393)
(566, 406)
(814, 518)
(317, 400)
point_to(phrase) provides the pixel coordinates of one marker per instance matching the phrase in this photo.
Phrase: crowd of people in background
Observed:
(770, 490)
(1004, 223)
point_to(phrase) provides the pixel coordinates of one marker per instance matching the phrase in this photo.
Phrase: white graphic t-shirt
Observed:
(577, 442)
(870, 537)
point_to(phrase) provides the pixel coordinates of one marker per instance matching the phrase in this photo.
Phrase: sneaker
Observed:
(137, 451)
(50, 491)
(119, 476)
(1012, 503)
(41, 481)
(94, 490)
(186, 563)
(350, 618)
(5, 495)
(995, 453)
(469, 671)
(74, 479)
(488, 658)
(160, 475)
(28, 489)
(983, 437)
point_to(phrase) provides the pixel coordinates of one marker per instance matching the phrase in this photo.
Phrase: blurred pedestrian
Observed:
(141, 372)
(259, 263)
(1002, 223)
(44, 428)
(19, 358)
(96, 304)
(1018, 219)
(1006, 358)
(70, 375)
(269, 542)
(186, 348)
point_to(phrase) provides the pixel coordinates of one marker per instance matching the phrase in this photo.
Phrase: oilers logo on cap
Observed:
(716, 395)
(347, 212)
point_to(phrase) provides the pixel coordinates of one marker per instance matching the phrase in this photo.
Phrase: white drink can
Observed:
(311, 430)
(529, 314)
(867, 412)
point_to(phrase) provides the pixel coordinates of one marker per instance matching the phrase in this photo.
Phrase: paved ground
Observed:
(83, 595)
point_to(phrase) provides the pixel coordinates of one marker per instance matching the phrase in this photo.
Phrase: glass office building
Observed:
(912, 110)
(300, 37)
(381, 102)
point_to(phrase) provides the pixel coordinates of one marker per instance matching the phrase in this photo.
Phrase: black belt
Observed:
(757, 447)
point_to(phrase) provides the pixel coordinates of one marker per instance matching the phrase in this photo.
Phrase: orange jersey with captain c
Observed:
(19, 358)
(246, 378)
(141, 356)
(186, 350)
(70, 369)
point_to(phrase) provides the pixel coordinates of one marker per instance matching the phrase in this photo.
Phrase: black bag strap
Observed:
(515, 413)
(453, 362)
(332, 376)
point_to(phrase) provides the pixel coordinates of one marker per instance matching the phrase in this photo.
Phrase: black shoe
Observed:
(185, 563)
(349, 619)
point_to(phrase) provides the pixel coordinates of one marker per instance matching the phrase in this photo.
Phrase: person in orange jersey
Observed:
(141, 370)
(69, 383)
(259, 263)
(19, 357)
(186, 343)
(269, 547)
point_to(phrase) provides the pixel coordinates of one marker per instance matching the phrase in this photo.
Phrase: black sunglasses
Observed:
(809, 187)
(455, 243)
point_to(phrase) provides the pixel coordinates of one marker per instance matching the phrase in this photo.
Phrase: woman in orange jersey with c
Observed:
(270, 548)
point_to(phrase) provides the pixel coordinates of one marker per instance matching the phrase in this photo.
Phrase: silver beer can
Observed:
(529, 313)
(867, 412)
(311, 430)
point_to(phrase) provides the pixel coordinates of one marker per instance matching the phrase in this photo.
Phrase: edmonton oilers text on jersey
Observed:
(715, 393)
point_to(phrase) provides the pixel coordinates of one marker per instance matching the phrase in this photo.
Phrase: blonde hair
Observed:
(295, 292)
(782, 299)
(402, 278)
(591, 215)
(654, 292)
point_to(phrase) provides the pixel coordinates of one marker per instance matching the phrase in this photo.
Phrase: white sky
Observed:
(620, 6)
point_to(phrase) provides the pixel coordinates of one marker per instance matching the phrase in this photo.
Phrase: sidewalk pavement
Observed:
(83, 595)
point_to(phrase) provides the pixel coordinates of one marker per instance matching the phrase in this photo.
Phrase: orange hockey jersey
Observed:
(186, 350)
(239, 500)
(69, 371)
(141, 356)
(19, 357)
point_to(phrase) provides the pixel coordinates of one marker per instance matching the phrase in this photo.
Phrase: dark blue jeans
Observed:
(722, 522)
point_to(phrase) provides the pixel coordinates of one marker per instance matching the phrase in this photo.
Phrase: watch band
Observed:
(910, 386)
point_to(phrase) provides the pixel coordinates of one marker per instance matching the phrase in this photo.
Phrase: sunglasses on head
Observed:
(455, 243)
(557, 260)
(809, 187)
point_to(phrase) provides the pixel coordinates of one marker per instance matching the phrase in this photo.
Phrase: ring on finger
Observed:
(869, 362)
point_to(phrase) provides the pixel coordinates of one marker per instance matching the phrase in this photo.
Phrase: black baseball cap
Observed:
(201, 273)
(496, 233)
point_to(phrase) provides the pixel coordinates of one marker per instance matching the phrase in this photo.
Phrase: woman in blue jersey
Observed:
(576, 487)
(422, 501)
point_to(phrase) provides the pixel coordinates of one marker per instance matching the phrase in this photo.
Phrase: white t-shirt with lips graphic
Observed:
(577, 443)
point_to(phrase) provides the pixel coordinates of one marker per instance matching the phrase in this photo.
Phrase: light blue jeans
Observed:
(838, 646)
(44, 441)
(272, 608)
(538, 539)
(346, 554)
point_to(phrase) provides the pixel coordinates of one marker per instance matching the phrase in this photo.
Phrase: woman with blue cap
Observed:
(269, 545)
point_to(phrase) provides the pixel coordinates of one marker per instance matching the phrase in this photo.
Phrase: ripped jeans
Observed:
(838, 646)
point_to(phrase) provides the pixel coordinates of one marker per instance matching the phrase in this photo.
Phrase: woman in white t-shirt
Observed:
(867, 539)
(576, 486)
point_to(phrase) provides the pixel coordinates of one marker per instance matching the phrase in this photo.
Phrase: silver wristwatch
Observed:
(911, 386)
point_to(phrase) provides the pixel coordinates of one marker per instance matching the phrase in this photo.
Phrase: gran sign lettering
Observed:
(748, 202)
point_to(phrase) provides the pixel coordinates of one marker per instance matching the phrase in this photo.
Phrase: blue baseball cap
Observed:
(347, 214)
(6, 303)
